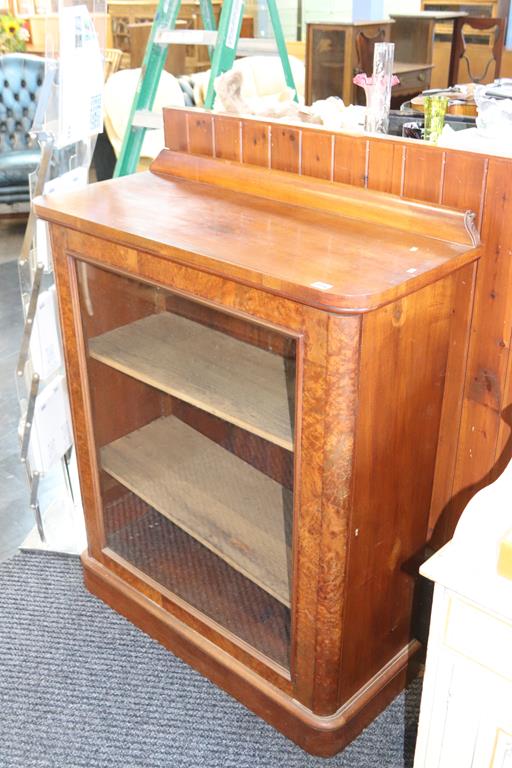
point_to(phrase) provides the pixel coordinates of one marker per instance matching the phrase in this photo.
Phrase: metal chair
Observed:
(459, 47)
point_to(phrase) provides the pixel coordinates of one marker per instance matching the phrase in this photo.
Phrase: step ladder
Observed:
(224, 45)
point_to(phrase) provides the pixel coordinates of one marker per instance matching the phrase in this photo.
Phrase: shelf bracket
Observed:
(29, 320)
(42, 173)
(27, 426)
(34, 504)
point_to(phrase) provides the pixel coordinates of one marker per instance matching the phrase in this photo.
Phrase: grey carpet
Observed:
(80, 687)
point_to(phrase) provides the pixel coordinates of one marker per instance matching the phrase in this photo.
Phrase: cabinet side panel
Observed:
(404, 357)
(441, 522)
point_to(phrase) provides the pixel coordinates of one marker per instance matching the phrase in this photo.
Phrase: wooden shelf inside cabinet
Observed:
(230, 507)
(238, 382)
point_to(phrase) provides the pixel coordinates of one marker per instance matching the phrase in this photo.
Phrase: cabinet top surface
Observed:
(441, 15)
(317, 258)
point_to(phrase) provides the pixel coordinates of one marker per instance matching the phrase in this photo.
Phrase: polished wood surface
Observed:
(329, 260)
(380, 360)
(345, 202)
(460, 180)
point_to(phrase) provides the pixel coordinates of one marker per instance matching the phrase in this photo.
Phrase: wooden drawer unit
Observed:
(412, 80)
(260, 373)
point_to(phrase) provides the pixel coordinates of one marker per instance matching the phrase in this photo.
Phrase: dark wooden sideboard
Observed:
(262, 373)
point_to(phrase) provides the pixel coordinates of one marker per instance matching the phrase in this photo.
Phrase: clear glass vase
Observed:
(378, 88)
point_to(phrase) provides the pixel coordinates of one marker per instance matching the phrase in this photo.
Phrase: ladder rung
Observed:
(144, 118)
(250, 46)
(186, 36)
(247, 46)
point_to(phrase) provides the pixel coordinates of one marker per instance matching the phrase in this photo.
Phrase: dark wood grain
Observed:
(256, 143)
(285, 149)
(317, 154)
(227, 133)
(200, 134)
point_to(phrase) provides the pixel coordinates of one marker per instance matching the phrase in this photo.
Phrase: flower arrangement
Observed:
(14, 34)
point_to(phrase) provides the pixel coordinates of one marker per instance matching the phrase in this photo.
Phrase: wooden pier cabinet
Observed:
(262, 368)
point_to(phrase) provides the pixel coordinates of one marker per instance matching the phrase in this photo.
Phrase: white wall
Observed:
(318, 10)
(402, 6)
(312, 10)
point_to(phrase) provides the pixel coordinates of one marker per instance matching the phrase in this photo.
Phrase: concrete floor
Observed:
(16, 518)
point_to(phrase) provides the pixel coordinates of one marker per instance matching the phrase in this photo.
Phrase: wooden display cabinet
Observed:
(332, 61)
(261, 368)
(331, 57)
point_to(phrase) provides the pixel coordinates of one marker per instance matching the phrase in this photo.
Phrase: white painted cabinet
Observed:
(466, 708)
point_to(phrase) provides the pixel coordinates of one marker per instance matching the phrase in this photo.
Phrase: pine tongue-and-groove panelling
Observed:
(460, 180)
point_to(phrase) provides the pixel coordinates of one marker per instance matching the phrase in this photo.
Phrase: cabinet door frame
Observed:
(327, 359)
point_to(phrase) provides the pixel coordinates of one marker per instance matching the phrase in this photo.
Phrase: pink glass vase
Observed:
(378, 88)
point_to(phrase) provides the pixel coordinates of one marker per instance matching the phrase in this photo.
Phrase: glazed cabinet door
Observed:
(328, 52)
(193, 414)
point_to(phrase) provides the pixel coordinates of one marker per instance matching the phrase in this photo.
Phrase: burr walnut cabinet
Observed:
(262, 368)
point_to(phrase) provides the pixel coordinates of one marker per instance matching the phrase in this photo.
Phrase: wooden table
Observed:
(260, 368)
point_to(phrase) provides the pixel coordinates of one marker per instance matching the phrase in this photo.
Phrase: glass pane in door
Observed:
(328, 63)
(193, 413)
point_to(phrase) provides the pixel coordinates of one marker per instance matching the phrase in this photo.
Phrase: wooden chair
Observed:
(364, 49)
(459, 47)
(112, 61)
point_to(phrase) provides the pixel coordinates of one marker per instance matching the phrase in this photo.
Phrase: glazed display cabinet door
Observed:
(328, 54)
(193, 415)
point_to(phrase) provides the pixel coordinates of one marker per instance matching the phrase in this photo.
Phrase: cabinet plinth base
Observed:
(318, 735)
